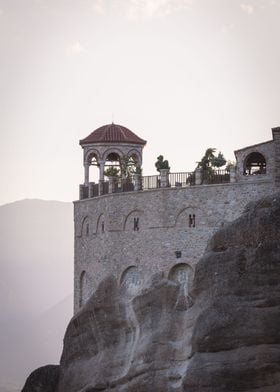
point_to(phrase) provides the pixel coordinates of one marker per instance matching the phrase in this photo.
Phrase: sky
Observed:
(184, 75)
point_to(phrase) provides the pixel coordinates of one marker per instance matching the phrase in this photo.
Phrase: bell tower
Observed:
(109, 145)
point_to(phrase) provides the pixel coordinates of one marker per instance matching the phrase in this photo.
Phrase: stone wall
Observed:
(152, 231)
(267, 149)
(276, 138)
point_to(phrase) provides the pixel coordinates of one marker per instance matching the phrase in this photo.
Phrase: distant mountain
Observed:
(36, 282)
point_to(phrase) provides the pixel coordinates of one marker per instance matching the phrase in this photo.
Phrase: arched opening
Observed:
(101, 224)
(83, 289)
(254, 164)
(125, 164)
(113, 157)
(120, 168)
(192, 217)
(135, 159)
(129, 165)
(133, 221)
(92, 160)
(85, 227)
(132, 280)
(182, 274)
(112, 166)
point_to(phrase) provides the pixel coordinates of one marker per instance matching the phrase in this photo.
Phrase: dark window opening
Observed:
(192, 220)
(102, 227)
(113, 157)
(255, 164)
(136, 224)
(87, 229)
(93, 160)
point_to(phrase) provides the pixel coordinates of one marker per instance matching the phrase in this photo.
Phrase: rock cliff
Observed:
(43, 379)
(236, 337)
(224, 336)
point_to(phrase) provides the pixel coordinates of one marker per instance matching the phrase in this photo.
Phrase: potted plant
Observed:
(163, 168)
(111, 171)
(162, 164)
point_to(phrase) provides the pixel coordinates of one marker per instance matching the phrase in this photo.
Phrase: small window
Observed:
(255, 164)
(191, 220)
(136, 224)
(85, 227)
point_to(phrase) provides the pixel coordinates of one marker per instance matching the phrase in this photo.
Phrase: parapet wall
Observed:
(133, 235)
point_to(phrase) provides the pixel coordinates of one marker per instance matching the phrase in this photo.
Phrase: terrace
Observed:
(138, 183)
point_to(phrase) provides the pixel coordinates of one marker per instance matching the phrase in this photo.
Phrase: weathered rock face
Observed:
(44, 379)
(223, 337)
(138, 343)
(236, 338)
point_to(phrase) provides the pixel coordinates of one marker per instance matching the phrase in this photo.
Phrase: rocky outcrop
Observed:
(128, 344)
(236, 338)
(44, 379)
(222, 337)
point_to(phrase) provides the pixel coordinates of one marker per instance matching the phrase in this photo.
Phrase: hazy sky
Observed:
(182, 74)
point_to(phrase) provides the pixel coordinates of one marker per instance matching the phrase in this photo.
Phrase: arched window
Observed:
(133, 221)
(101, 224)
(182, 274)
(132, 280)
(85, 227)
(92, 159)
(254, 164)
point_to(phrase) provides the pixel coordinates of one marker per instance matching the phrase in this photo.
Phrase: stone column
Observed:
(112, 184)
(276, 139)
(81, 191)
(86, 166)
(164, 180)
(198, 176)
(101, 182)
(90, 189)
(232, 174)
(101, 177)
(137, 182)
(101, 170)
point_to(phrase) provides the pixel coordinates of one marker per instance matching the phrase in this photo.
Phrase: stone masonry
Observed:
(135, 234)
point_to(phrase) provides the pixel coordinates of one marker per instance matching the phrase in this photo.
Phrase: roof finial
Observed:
(112, 118)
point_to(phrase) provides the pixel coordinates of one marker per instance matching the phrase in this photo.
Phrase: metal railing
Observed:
(150, 182)
(215, 177)
(124, 185)
(181, 179)
(175, 180)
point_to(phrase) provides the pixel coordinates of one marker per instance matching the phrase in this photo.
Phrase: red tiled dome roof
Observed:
(112, 133)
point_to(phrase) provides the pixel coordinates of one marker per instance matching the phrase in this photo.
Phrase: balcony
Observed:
(164, 180)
